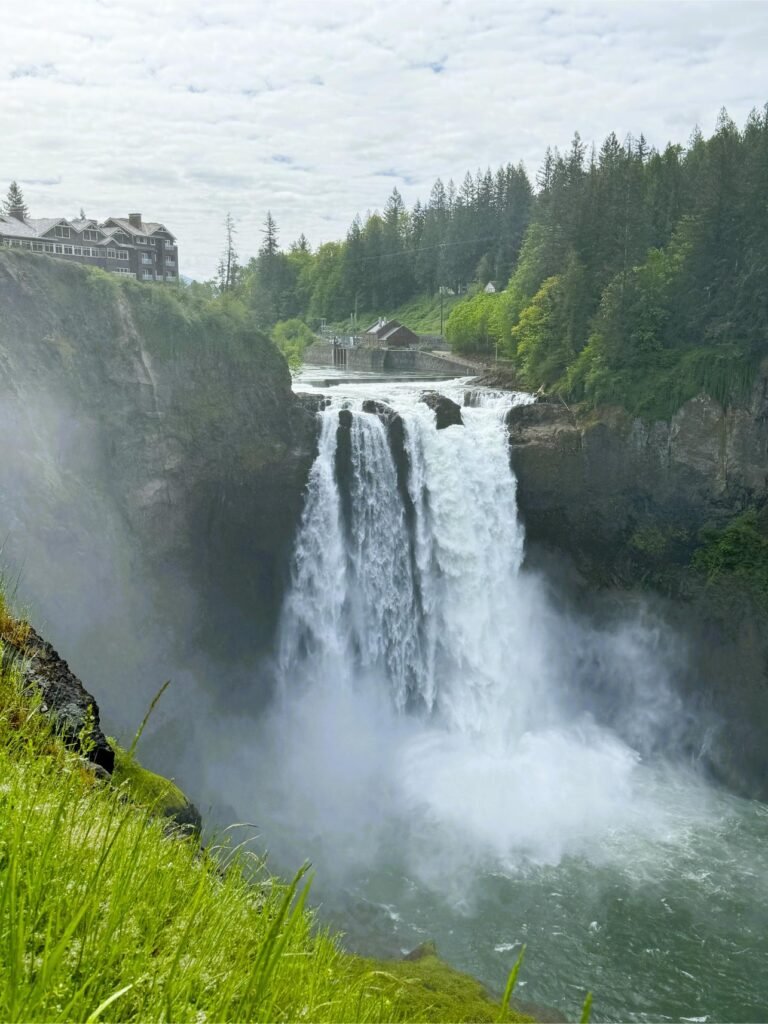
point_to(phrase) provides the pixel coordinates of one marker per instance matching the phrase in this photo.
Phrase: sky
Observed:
(184, 110)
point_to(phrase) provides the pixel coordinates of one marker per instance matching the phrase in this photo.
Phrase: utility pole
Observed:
(441, 310)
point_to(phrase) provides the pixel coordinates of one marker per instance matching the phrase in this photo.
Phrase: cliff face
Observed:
(630, 503)
(155, 459)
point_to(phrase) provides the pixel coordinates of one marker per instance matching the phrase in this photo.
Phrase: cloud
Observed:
(186, 111)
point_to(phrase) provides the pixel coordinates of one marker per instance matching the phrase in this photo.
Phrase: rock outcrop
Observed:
(65, 699)
(447, 412)
(627, 501)
(154, 464)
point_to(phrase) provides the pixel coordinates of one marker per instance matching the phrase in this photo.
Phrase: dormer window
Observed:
(90, 236)
(61, 231)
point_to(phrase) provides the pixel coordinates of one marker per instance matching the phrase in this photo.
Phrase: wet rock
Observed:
(447, 412)
(314, 403)
(627, 500)
(386, 412)
(64, 697)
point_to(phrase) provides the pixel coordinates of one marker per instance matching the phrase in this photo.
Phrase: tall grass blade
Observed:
(107, 1002)
(145, 719)
(586, 1010)
(510, 987)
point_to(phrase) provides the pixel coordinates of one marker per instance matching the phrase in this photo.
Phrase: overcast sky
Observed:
(315, 109)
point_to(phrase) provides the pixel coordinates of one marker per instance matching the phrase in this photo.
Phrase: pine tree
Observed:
(228, 267)
(14, 204)
(269, 247)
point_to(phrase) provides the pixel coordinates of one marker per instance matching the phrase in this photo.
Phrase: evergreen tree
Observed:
(269, 247)
(14, 204)
(228, 269)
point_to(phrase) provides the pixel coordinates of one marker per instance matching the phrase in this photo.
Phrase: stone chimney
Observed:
(135, 220)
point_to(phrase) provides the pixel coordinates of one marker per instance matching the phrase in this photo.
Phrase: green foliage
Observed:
(424, 314)
(550, 330)
(739, 551)
(471, 325)
(14, 204)
(427, 989)
(292, 337)
(156, 793)
(640, 281)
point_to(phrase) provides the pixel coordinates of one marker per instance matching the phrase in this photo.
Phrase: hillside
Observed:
(109, 912)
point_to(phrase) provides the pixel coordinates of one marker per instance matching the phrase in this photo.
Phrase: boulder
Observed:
(65, 698)
(447, 412)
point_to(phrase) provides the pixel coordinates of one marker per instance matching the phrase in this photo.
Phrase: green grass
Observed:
(107, 913)
(421, 314)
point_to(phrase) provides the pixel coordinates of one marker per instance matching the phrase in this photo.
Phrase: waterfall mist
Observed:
(435, 705)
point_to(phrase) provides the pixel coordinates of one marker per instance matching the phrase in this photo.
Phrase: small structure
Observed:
(390, 334)
(490, 288)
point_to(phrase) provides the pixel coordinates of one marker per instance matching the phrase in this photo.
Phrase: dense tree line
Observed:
(643, 277)
(459, 236)
(624, 274)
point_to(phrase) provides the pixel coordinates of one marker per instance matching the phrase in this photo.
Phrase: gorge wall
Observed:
(644, 506)
(154, 459)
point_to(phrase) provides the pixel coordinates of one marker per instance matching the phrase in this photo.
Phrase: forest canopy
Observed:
(623, 274)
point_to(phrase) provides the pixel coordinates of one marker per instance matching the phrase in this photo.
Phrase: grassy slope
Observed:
(106, 913)
(421, 314)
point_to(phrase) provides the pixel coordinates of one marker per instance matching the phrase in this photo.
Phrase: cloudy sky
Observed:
(315, 109)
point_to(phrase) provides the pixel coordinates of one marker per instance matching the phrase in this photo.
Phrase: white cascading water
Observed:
(435, 615)
(431, 749)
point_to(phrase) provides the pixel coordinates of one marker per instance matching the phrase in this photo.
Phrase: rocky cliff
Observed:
(154, 464)
(642, 505)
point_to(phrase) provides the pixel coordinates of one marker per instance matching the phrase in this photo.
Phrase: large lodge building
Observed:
(147, 252)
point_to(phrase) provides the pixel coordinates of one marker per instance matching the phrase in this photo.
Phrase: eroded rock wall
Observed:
(627, 502)
(153, 471)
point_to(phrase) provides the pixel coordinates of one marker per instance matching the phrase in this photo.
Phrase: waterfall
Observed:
(424, 675)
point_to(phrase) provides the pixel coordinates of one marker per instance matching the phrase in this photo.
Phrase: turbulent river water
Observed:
(464, 761)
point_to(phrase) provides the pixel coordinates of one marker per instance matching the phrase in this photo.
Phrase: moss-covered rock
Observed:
(160, 795)
(425, 988)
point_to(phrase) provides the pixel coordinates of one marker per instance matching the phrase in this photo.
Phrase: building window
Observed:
(122, 255)
(141, 240)
(90, 236)
(59, 249)
(148, 275)
(78, 251)
(37, 246)
(170, 261)
(49, 246)
(26, 245)
(152, 241)
(170, 277)
(111, 254)
(67, 250)
(61, 231)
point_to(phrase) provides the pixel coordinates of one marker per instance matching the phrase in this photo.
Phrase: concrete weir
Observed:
(386, 359)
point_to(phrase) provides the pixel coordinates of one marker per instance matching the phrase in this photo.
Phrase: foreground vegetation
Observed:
(108, 912)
